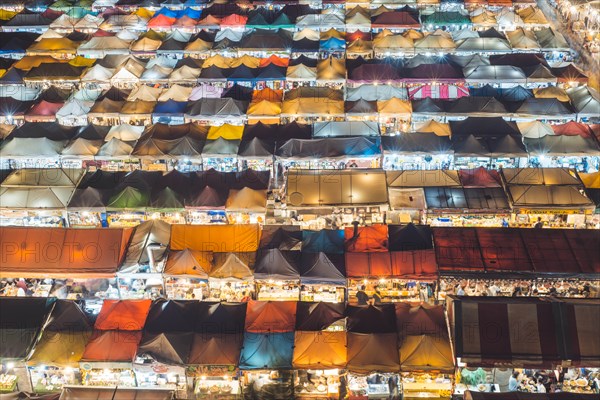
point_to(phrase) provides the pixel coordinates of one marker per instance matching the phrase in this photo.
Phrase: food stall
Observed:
(322, 277)
(107, 358)
(419, 151)
(53, 361)
(554, 196)
(186, 274)
(246, 206)
(340, 195)
(231, 278)
(277, 275)
(22, 319)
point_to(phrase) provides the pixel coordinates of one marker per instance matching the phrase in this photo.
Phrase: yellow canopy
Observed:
(216, 238)
(189, 263)
(394, 106)
(313, 106)
(82, 62)
(217, 60)
(225, 131)
(426, 353)
(144, 13)
(5, 15)
(590, 180)
(54, 45)
(319, 350)
(439, 128)
(248, 61)
(59, 348)
(264, 107)
(551, 92)
(28, 62)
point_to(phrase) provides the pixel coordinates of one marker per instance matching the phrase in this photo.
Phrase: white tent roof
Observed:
(31, 147)
(114, 148)
(75, 108)
(35, 197)
(176, 93)
(124, 132)
(534, 129)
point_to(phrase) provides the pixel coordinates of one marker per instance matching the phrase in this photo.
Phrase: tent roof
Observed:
(23, 318)
(267, 351)
(277, 264)
(113, 346)
(283, 237)
(216, 349)
(311, 351)
(69, 261)
(322, 268)
(372, 352)
(223, 238)
(191, 263)
(317, 316)
(312, 188)
(168, 348)
(324, 240)
(539, 176)
(409, 237)
(232, 267)
(423, 178)
(122, 315)
(171, 316)
(219, 318)
(426, 353)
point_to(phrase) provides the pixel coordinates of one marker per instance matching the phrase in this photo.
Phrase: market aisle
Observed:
(590, 64)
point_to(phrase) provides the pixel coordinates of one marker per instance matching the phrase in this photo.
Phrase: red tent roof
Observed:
(112, 346)
(270, 316)
(573, 128)
(479, 178)
(161, 20)
(234, 20)
(369, 239)
(361, 265)
(125, 315)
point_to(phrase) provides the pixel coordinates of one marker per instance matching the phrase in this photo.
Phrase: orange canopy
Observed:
(363, 265)
(267, 94)
(125, 315)
(276, 60)
(62, 253)
(369, 238)
(320, 350)
(112, 346)
(216, 238)
(270, 316)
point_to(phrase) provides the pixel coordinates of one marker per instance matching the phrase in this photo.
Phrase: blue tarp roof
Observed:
(326, 240)
(170, 107)
(267, 350)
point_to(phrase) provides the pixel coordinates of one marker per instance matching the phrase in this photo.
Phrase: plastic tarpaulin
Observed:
(218, 238)
(216, 349)
(426, 353)
(363, 265)
(322, 269)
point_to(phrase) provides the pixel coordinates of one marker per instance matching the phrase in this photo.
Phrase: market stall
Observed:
(186, 274)
(343, 196)
(553, 196)
(53, 362)
(21, 321)
(277, 275)
(322, 277)
(107, 358)
(231, 278)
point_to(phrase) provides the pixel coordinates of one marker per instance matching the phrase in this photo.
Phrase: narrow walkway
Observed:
(584, 59)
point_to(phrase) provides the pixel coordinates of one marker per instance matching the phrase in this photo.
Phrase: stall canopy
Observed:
(320, 350)
(216, 349)
(326, 240)
(64, 336)
(232, 267)
(317, 316)
(555, 329)
(76, 252)
(426, 353)
(371, 319)
(364, 265)
(373, 352)
(218, 238)
(556, 251)
(277, 264)
(217, 318)
(267, 351)
(322, 268)
(282, 237)
(122, 315)
(313, 188)
(22, 319)
(419, 179)
(270, 316)
(370, 239)
(410, 237)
